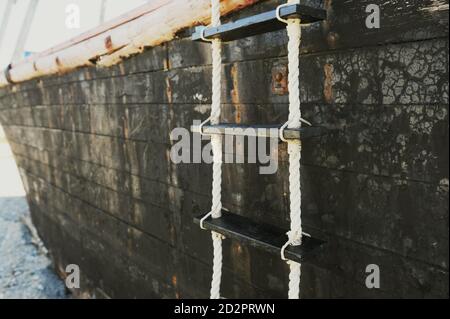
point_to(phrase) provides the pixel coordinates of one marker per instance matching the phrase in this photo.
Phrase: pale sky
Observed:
(49, 23)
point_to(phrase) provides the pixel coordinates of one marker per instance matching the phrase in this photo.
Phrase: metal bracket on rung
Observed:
(258, 24)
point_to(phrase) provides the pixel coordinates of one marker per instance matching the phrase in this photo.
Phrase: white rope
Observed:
(217, 265)
(216, 142)
(294, 149)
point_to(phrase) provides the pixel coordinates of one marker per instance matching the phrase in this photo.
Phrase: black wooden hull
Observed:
(93, 149)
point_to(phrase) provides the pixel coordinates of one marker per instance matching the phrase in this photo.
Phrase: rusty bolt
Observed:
(279, 77)
(279, 80)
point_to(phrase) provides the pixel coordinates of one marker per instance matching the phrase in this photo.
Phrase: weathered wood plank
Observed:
(406, 142)
(344, 29)
(380, 75)
(332, 213)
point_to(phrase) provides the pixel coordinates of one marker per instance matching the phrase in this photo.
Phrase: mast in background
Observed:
(5, 20)
(25, 30)
(102, 11)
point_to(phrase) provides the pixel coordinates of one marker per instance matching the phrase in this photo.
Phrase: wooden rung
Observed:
(304, 132)
(258, 24)
(262, 236)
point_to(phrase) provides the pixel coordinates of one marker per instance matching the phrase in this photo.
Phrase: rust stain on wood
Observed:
(328, 84)
(166, 61)
(174, 280)
(235, 93)
(280, 80)
(241, 260)
(235, 88)
(175, 286)
(238, 113)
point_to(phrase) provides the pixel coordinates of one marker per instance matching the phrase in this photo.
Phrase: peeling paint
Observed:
(235, 84)
(437, 5)
(200, 97)
(202, 109)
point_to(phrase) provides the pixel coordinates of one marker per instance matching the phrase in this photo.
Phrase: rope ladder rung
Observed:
(294, 245)
(259, 235)
(267, 131)
(259, 24)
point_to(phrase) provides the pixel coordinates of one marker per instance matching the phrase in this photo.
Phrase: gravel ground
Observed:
(25, 270)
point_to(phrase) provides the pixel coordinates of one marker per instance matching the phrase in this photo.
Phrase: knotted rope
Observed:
(294, 148)
(216, 142)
